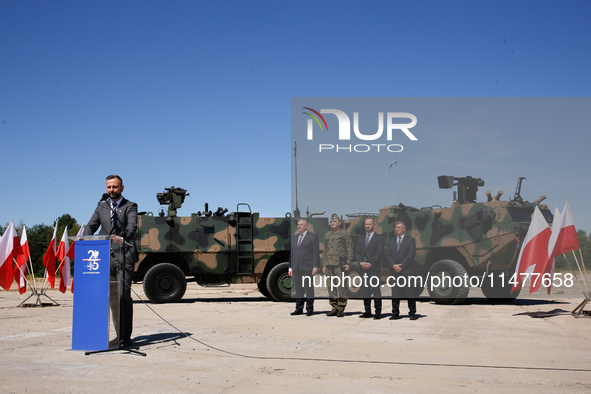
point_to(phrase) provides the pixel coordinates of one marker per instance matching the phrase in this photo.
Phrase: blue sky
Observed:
(197, 94)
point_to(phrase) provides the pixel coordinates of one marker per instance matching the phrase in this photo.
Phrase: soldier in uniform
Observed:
(336, 259)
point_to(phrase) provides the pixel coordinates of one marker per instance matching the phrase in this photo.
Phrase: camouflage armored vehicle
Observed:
(469, 238)
(211, 248)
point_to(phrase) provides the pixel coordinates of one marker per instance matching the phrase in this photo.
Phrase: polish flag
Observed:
(71, 250)
(564, 239)
(49, 259)
(62, 255)
(20, 271)
(548, 267)
(534, 249)
(567, 239)
(10, 248)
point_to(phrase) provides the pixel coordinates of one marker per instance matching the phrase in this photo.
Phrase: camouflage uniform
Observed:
(338, 251)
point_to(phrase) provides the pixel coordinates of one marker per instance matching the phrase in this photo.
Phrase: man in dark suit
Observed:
(304, 261)
(401, 253)
(117, 217)
(368, 253)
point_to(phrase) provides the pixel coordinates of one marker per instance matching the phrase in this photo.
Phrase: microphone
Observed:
(105, 197)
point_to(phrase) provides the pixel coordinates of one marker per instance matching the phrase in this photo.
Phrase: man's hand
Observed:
(397, 267)
(365, 265)
(324, 270)
(346, 267)
(314, 271)
(289, 272)
(117, 239)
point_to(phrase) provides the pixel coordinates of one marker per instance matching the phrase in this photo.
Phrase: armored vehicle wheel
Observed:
(279, 283)
(443, 290)
(165, 283)
(352, 290)
(262, 285)
(498, 290)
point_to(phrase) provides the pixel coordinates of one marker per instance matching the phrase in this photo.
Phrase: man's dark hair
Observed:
(115, 176)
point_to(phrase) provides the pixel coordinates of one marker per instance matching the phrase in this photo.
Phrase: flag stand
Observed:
(580, 309)
(38, 294)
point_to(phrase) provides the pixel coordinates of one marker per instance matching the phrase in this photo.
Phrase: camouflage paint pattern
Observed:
(242, 247)
(232, 248)
(480, 236)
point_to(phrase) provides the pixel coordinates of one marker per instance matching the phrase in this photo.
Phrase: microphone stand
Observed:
(123, 252)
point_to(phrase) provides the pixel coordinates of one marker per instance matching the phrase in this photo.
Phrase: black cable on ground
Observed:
(356, 361)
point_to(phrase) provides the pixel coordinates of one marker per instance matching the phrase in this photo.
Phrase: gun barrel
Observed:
(540, 199)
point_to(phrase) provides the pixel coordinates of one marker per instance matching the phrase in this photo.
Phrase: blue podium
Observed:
(90, 325)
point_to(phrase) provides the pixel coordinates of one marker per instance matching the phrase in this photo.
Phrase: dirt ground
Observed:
(232, 340)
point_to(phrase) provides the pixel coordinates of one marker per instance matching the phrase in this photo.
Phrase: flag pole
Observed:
(30, 266)
(60, 266)
(295, 155)
(583, 264)
(45, 276)
(584, 279)
(397, 189)
(389, 168)
(581, 307)
(574, 272)
(23, 274)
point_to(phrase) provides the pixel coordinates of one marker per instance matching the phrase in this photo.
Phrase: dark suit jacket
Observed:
(307, 256)
(404, 256)
(374, 251)
(127, 212)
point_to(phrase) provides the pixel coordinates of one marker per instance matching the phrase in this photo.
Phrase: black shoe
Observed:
(334, 312)
(114, 343)
(340, 313)
(377, 316)
(297, 312)
(365, 315)
(394, 317)
(127, 344)
(413, 317)
(309, 313)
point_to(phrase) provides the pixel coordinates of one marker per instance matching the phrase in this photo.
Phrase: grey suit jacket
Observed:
(307, 256)
(127, 213)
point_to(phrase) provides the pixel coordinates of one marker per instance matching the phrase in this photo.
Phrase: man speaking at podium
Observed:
(117, 217)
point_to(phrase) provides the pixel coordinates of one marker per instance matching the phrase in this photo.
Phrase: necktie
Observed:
(398, 245)
(367, 240)
(113, 207)
(300, 240)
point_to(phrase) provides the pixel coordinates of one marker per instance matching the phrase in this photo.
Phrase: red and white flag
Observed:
(10, 247)
(49, 259)
(548, 268)
(534, 249)
(564, 239)
(20, 271)
(62, 255)
(567, 239)
(72, 249)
